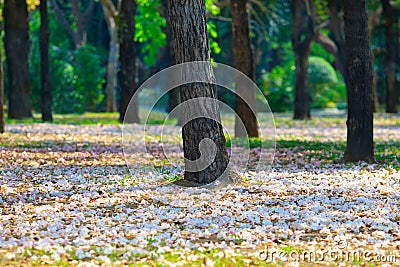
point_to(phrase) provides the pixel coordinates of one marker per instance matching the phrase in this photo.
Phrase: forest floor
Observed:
(67, 199)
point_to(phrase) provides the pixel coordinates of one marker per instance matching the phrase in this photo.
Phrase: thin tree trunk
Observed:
(337, 29)
(391, 103)
(173, 95)
(112, 70)
(2, 122)
(188, 24)
(243, 57)
(127, 58)
(44, 63)
(78, 34)
(360, 77)
(301, 48)
(16, 41)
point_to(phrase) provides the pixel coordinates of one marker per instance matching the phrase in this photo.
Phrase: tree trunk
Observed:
(337, 29)
(16, 42)
(173, 95)
(360, 77)
(44, 63)
(301, 48)
(127, 58)
(112, 70)
(188, 24)
(243, 57)
(391, 103)
(2, 122)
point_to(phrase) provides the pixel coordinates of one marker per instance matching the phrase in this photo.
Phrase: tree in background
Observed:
(336, 27)
(44, 63)
(111, 15)
(188, 25)
(243, 57)
(303, 34)
(391, 103)
(78, 33)
(127, 58)
(173, 95)
(359, 85)
(16, 40)
(2, 123)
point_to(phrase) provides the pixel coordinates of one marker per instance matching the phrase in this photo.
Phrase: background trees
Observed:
(44, 59)
(79, 45)
(2, 126)
(16, 42)
(127, 57)
(243, 58)
(302, 26)
(391, 103)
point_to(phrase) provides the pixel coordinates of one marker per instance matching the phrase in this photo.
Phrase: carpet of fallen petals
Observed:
(67, 198)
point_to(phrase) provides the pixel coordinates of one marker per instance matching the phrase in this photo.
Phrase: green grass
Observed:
(87, 118)
(90, 118)
(205, 257)
(251, 142)
(385, 152)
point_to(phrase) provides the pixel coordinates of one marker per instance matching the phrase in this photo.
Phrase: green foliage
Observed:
(213, 35)
(212, 28)
(149, 25)
(88, 78)
(75, 87)
(76, 75)
(278, 87)
(325, 88)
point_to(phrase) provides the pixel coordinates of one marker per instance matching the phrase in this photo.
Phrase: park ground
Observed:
(67, 199)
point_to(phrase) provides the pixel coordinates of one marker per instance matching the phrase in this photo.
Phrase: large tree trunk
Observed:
(391, 103)
(127, 58)
(301, 48)
(188, 24)
(16, 41)
(359, 85)
(243, 57)
(2, 122)
(44, 62)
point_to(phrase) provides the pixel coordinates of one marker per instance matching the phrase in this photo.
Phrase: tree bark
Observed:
(44, 63)
(127, 58)
(243, 57)
(188, 24)
(301, 48)
(111, 15)
(16, 41)
(360, 77)
(391, 103)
